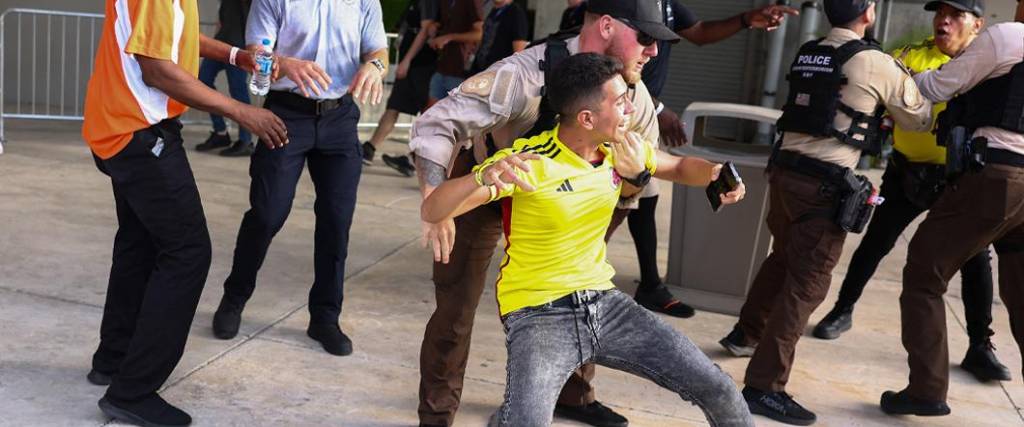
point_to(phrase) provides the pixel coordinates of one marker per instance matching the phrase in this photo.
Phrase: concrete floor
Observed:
(57, 224)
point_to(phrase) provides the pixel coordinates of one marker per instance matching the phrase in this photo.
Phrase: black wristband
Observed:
(743, 21)
(640, 180)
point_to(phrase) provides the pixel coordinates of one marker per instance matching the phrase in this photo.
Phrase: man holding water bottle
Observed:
(331, 54)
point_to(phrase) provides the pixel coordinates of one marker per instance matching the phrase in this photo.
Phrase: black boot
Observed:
(401, 164)
(660, 300)
(900, 403)
(150, 411)
(778, 406)
(736, 343)
(594, 414)
(331, 338)
(368, 152)
(215, 141)
(227, 319)
(837, 321)
(981, 362)
(239, 149)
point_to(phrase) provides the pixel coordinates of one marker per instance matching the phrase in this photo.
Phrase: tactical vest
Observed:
(815, 80)
(997, 102)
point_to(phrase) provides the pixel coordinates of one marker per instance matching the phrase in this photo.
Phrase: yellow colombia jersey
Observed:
(920, 147)
(555, 235)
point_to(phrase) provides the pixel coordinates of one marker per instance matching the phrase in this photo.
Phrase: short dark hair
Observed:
(576, 83)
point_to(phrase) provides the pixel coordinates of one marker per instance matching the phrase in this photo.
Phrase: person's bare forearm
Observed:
(183, 87)
(473, 36)
(381, 54)
(707, 32)
(214, 49)
(453, 198)
(418, 42)
(686, 170)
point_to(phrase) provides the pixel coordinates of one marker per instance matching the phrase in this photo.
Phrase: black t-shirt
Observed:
(232, 15)
(655, 74)
(409, 27)
(502, 27)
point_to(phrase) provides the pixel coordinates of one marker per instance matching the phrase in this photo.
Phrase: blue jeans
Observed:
(238, 82)
(441, 84)
(546, 343)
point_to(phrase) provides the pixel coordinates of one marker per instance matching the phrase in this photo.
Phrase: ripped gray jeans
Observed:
(546, 343)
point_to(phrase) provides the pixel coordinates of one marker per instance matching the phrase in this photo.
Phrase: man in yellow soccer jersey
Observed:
(557, 302)
(913, 181)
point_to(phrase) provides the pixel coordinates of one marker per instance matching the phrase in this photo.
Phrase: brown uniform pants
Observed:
(458, 286)
(981, 208)
(794, 278)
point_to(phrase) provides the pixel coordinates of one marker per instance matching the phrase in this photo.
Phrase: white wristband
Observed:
(232, 57)
(659, 109)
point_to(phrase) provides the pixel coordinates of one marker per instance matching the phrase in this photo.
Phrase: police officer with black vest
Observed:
(983, 131)
(839, 88)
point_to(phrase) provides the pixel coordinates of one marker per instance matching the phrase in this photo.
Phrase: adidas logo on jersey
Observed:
(566, 187)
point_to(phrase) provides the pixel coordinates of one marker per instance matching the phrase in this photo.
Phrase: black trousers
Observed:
(160, 261)
(888, 222)
(329, 143)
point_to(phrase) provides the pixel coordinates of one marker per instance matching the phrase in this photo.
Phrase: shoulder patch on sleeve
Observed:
(502, 91)
(480, 84)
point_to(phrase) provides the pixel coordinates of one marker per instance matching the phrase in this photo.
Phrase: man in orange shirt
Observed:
(144, 76)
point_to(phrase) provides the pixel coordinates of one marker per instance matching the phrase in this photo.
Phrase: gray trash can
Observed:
(713, 257)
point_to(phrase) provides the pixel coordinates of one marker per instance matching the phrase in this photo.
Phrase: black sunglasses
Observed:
(641, 37)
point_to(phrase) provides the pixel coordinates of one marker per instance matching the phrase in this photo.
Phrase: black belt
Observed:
(576, 299)
(809, 166)
(1004, 157)
(301, 104)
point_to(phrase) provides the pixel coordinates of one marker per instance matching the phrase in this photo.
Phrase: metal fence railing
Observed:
(46, 59)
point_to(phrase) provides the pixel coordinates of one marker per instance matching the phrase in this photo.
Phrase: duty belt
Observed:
(809, 166)
(301, 104)
(1004, 157)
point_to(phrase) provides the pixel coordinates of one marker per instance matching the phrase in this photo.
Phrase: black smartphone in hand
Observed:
(728, 180)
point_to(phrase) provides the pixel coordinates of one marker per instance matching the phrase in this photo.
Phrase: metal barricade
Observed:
(46, 58)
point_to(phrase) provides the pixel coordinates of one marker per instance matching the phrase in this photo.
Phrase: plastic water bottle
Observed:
(259, 85)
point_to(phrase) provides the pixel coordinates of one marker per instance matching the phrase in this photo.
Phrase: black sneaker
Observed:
(837, 321)
(594, 414)
(899, 403)
(239, 149)
(98, 378)
(331, 338)
(150, 411)
(400, 164)
(736, 343)
(368, 152)
(981, 362)
(215, 141)
(660, 300)
(778, 406)
(226, 320)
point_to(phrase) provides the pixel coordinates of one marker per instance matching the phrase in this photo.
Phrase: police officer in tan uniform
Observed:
(985, 205)
(839, 88)
(493, 109)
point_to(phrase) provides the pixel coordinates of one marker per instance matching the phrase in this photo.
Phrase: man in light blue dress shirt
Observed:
(331, 54)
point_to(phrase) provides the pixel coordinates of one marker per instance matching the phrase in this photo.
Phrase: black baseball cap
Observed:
(977, 7)
(641, 15)
(841, 12)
